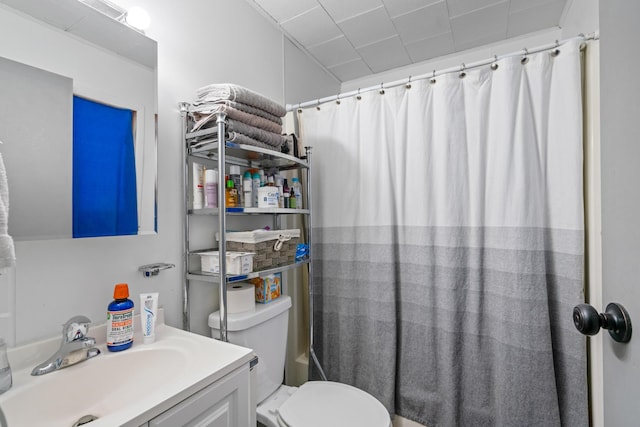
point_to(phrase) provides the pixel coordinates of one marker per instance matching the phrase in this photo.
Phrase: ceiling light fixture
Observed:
(138, 18)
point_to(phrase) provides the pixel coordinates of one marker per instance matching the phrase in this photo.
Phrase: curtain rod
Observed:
(292, 107)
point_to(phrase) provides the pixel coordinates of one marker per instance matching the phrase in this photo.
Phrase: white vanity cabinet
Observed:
(225, 403)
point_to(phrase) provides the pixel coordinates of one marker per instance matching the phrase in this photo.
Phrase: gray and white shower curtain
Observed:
(449, 244)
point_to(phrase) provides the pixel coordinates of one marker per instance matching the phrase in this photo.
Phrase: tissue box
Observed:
(268, 287)
(237, 262)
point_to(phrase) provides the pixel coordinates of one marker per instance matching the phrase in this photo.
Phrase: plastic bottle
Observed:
(231, 194)
(198, 186)
(255, 184)
(6, 380)
(297, 190)
(247, 185)
(280, 186)
(292, 199)
(120, 319)
(211, 187)
(234, 174)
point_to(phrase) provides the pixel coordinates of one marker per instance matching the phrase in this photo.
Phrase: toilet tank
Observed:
(265, 332)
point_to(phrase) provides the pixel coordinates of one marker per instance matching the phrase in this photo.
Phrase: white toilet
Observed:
(315, 403)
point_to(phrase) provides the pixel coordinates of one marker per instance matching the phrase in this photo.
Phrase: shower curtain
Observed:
(449, 244)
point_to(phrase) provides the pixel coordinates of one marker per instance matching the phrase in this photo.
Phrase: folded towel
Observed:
(203, 107)
(231, 92)
(269, 138)
(208, 117)
(236, 137)
(7, 251)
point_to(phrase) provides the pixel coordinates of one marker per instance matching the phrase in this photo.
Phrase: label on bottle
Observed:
(119, 327)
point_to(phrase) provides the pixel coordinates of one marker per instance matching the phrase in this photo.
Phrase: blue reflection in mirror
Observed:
(104, 171)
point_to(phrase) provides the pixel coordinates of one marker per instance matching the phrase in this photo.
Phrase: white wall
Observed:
(199, 42)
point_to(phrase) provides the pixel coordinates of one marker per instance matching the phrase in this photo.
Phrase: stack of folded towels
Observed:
(252, 118)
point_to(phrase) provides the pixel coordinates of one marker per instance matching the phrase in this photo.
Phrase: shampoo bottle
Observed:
(120, 319)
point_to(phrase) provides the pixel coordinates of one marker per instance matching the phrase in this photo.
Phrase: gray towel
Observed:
(231, 92)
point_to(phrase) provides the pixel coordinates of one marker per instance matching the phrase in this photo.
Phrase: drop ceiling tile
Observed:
(400, 7)
(535, 18)
(385, 55)
(282, 11)
(345, 9)
(350, 70)
(370, 27)
(432, 47)
(423, 23)
(312, 27)
(518, 5)
(461, 7)
(334, 52)
(480, 24)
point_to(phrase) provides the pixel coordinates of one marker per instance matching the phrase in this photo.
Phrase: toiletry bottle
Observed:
(198, 186)
(231, 194)
(292, 199)
(285, 198)
(255, 185)
(5, 370)
(247, 188)
(280, 186)
(297, 190)
(120, 319)
(285, 193)
(234, 174)
(211, 187)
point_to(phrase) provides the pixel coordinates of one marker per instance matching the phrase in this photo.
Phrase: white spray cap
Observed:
(211, 175)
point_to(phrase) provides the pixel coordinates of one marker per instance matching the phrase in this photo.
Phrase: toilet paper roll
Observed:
(240, 297)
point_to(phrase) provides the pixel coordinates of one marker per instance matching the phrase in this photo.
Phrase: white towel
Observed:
(7, 251)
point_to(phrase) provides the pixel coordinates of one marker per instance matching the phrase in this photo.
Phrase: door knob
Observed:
(588, 321)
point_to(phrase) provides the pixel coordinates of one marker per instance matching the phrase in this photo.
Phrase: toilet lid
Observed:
(326, 403)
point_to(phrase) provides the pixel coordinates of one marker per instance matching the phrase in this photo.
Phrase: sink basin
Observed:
(122, 388)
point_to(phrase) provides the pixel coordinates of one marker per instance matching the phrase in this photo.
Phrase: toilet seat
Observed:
(327, 403)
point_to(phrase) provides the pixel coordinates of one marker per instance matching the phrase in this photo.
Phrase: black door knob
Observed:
(588, 321)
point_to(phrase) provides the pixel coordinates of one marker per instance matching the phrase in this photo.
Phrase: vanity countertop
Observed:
(124, 388)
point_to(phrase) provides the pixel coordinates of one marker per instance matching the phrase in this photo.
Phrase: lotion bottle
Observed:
(120, 319)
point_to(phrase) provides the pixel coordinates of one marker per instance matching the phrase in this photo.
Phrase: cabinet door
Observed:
(225, 403)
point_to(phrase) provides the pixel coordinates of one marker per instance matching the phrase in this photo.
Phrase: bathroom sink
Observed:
(120, 388)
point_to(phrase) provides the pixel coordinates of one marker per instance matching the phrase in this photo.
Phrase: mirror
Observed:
(67, 48)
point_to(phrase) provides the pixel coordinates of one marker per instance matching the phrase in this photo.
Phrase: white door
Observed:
(620, 147)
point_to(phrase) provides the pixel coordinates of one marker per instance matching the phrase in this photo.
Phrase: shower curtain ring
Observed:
(494, 64)
(338, 99)
(433, 77)
(555, 52)
(358, 97)
(381, 89)
(525, 56)
(462, 73)
(318, 105)
(408, 85)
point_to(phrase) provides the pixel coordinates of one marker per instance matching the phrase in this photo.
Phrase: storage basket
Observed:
(271, 247)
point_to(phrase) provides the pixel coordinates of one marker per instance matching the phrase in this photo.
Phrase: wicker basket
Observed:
(272, 248)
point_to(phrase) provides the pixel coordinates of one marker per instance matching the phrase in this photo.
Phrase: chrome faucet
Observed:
(76, 347)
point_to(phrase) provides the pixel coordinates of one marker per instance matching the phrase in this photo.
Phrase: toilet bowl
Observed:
(313, 404)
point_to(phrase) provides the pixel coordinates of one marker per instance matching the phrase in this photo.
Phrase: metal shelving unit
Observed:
(205, 144)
